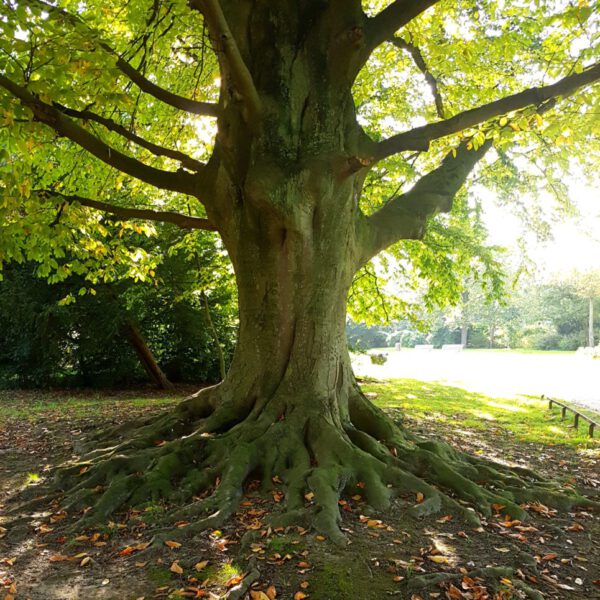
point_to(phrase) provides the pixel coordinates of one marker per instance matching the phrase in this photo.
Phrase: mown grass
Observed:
(528, 418)
(37, 406)
(484, 351)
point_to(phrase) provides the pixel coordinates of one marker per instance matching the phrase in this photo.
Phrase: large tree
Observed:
(108, 107)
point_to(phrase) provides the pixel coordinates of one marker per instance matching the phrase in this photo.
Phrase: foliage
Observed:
(69, 61)
(539, 316)
(70, 333)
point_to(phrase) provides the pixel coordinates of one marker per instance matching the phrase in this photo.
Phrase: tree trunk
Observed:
(464, 335)
(591, 323)
(146, 356)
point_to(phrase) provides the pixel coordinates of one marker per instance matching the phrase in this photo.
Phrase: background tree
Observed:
(310, 101)
(587, 285)
(71, 333)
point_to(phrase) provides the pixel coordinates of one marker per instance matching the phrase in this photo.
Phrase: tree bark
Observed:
(146, 356)
(591, 322)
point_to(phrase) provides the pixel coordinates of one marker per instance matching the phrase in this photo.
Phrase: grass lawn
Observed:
(528, 418)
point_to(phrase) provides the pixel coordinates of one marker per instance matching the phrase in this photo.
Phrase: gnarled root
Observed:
(198, 457)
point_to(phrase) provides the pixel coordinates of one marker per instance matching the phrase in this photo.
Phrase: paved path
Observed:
(501, 374)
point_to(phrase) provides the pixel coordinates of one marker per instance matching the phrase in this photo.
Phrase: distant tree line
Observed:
(561, 315)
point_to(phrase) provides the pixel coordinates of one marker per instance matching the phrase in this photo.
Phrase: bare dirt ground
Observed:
(387, 553)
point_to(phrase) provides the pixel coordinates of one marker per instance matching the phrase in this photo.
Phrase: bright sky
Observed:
(575, 242)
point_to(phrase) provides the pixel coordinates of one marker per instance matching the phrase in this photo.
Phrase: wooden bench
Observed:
(578, 415)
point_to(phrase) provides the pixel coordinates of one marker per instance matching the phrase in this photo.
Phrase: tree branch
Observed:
(183, 182)
(420, 137)
(124, 213)
(383, 25)
(195, 107)
(87, 115)
(182, 103)
(226, 44)
(419, 60)
(404, 217)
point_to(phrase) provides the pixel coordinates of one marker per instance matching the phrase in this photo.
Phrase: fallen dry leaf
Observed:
(173, 545)
(201, 565)
(551, 556)
(58, 558)
(176, 568)
(235, 581)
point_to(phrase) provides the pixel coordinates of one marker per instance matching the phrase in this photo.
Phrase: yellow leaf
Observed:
(171, 544)
(85, 561)
(539, 120)
(503, 121)
(438, 559)
(201, 565)
(175, 568)
(258, 596)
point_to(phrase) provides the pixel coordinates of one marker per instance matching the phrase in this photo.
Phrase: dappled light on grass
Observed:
(526, 417)
(505, 406)
(485, 415)
(557, 430)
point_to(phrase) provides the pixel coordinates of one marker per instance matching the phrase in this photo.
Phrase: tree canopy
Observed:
(311, 135)
(112, 108)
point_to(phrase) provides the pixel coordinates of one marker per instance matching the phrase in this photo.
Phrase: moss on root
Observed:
(199, 457)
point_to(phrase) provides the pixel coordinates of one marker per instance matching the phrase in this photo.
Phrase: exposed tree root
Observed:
(418, 583)
(198, 457)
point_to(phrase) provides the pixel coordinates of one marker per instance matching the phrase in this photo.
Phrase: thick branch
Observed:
(419, 60)
(225, 44)
(49, 115)
(125, 213)
(174, 100)
(420, 137)
(383, 25)
(192, 106)
(405, 216)
(87, 115)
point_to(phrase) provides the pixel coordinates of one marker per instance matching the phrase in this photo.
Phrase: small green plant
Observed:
(378, 359)
(32, 478)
